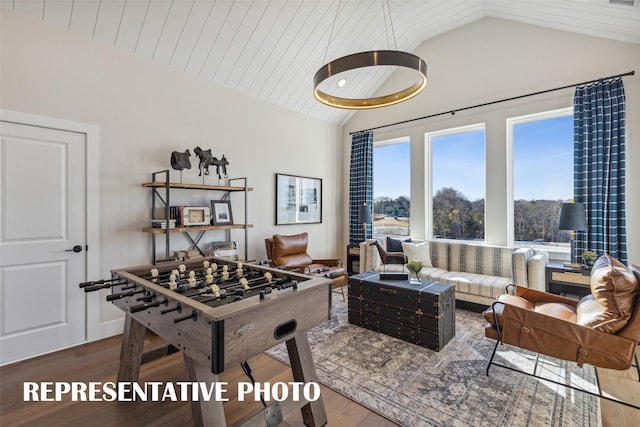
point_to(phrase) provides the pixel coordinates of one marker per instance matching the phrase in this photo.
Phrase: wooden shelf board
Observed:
(160, 184)
(195, 229)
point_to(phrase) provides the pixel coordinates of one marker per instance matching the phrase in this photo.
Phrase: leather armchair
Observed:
(546, 323)
(290, 252)
(550, 324)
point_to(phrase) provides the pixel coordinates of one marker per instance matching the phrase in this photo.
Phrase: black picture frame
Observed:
(221, 213)
(298, 199)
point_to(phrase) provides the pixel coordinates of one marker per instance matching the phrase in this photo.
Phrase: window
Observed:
(458, 182)
(542, 164)
(391, 187)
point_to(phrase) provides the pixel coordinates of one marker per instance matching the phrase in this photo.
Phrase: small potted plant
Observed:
(415, 267)
(589, 258)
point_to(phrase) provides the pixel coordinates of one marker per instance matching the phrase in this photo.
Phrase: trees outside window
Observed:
(458, 182)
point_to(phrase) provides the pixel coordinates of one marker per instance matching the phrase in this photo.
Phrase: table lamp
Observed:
(573, 218)
(364, 217)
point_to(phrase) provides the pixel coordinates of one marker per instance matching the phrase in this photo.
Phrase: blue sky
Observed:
(541, 169)
(391, 171)
(459, 162)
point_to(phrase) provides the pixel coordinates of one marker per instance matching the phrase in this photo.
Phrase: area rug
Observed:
(415, 386)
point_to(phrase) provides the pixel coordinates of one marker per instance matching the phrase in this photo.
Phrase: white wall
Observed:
(492, 59)
(144, 112)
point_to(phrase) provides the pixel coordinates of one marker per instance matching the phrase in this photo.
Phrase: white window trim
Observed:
(392, 141)
(510, 123)
(428, 175)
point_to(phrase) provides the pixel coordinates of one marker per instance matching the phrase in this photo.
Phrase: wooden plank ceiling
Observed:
(270, 49)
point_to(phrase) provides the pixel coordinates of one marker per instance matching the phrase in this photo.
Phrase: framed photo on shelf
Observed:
(298, 199)
(221, 212)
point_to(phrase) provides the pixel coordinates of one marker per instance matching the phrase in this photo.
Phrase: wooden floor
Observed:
(98, 361)
(623, 385)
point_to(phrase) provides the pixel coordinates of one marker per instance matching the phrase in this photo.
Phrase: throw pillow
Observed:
(590, 312)
(632, 329)
(614, 287)
(395, 245)
(417, 252)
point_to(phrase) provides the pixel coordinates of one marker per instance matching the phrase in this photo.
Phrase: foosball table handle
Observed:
(193, 316)
(177, 308)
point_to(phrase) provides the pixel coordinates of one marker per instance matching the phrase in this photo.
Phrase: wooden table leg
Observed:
(205, 413)
(131, 350)
(313, 413)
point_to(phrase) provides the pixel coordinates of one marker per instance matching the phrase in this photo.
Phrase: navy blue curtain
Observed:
(599, 167)
(360, 184)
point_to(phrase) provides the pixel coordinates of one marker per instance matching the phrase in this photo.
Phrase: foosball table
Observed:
(219, 313)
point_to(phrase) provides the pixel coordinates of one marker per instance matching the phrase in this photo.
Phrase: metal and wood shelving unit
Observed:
(164, 199)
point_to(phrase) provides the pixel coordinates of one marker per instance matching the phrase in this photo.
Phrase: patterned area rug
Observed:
(415, 386)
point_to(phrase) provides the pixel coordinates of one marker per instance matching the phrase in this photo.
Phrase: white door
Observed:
(42, 219)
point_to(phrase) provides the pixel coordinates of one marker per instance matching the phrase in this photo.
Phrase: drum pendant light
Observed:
(375, 58)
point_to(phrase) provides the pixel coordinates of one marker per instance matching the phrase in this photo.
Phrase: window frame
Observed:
(428, 177)
(510, 123)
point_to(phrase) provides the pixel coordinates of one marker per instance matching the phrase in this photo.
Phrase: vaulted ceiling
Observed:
(270, 49)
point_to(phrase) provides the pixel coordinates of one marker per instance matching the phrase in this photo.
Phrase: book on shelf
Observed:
(175, 212)
(162, 223)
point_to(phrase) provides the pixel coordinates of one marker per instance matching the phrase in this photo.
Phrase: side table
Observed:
(567, 281)
(353, 260)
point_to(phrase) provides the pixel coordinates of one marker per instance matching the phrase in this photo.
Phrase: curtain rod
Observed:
(452, 112)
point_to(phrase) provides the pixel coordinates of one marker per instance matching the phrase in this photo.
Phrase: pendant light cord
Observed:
(335, 18)
(393, 33)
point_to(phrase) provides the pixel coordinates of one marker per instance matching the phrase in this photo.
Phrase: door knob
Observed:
(76, 248)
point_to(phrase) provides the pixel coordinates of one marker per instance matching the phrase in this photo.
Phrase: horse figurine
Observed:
(180, 161)
(206, 159)
(221, 164)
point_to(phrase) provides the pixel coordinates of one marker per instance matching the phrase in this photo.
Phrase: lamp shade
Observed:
(364, 214)
(573, 217)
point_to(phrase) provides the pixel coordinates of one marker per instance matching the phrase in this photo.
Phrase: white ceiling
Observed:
(270, 49)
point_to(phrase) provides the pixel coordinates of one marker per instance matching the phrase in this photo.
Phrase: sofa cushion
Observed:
(395, 245)
(499, 308)
(488, 260)
(417, 252)
(391, 268)
(439, 254)
(472, 283)
(615, 288)
(557, 310)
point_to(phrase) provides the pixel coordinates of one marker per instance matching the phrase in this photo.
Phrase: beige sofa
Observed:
(480, 273)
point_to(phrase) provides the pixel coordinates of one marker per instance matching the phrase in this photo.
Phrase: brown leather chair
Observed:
(549, 324)
(290, 252)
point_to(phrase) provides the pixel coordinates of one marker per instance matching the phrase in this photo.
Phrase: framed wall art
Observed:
(221, 212)
(298, 199)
